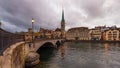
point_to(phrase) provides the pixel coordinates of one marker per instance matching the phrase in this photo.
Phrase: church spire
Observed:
(62, 16)
(63, 25)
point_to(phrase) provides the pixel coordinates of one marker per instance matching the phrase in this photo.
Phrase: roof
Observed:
(79, 28)
(58, 29)
(63, 20)
(111, 30)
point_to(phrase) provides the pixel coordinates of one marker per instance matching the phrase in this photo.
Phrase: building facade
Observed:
(95, 34)
(57, 33)
(46, 34)
(28, 35)
(111, 35)
(79, 33)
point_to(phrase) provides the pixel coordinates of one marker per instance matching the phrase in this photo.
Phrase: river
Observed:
(81, 55)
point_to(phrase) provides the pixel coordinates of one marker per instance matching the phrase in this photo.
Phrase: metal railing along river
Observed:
(7, 39)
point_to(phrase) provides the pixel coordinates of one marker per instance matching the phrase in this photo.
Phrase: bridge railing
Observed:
(7, 39)
(43, 39)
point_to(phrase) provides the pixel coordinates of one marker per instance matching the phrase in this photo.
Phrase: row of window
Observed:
(81, 35)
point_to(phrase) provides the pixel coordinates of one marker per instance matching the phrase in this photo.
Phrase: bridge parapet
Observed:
(13, 57)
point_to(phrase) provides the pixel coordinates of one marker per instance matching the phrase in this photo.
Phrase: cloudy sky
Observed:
(16, 14)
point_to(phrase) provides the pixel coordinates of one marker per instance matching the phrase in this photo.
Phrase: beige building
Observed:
(29, 34)
(49, 34)
(119, 32)
(78, 33)
(45, 33)
(57, 33)
(95, 34)
(111, 35)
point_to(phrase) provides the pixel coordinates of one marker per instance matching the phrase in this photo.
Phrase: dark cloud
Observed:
(16, 14)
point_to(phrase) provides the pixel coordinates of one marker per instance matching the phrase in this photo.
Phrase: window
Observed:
(114, 32)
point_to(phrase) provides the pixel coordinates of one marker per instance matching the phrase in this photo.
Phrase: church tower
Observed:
(63, 25)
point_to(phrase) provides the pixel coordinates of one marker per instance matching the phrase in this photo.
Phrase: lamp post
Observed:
(33, 29)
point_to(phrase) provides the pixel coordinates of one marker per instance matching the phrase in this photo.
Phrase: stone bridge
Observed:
(13, 50)
(42, 43)
(15, 55)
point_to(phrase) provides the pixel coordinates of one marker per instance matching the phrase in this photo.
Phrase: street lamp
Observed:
(33, 29)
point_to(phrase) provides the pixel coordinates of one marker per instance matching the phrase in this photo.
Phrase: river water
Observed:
(81, 55)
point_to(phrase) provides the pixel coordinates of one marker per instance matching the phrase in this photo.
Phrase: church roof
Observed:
(62, 16)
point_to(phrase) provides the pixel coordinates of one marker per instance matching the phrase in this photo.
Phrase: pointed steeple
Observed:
(62, 16)
(63, 25)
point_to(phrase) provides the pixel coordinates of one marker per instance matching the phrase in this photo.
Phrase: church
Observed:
(60, 32)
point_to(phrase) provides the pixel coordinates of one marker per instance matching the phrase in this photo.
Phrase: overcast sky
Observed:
(16, 14)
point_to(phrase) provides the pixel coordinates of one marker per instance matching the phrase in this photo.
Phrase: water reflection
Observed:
(62, 51)
(46, 53)
(82, 55)
(106, 47)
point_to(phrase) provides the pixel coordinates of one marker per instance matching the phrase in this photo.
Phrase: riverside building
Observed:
(78, 33)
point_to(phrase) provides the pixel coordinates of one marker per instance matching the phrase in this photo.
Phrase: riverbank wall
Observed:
(92, 41)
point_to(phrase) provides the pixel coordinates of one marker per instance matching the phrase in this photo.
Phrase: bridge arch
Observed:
(46, 51)
(58, 43)
(48, 44)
